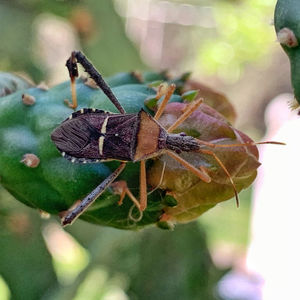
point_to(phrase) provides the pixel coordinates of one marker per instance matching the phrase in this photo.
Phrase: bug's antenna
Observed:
(90, 69)
(131, 217)
(246, 144)
(218, 160)
(160, 179)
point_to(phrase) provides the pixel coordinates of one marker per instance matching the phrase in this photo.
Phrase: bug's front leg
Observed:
(72, 215)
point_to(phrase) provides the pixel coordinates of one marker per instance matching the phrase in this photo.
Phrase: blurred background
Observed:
(229, 45)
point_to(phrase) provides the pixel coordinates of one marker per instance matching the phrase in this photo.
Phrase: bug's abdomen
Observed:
(92, 135)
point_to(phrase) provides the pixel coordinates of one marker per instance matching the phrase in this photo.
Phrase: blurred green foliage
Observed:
(144, 265)
(243, 34)
(105, 41)
(141, 265)
(25, 263)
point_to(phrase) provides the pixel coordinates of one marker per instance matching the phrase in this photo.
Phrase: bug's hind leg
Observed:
(73, 76)
(73, 214)
(71, 64)
(220, 163)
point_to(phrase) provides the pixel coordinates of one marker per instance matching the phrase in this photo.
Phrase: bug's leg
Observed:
(120, 187)
(201, 173)
(143, 186)
(91, 70)
(73, 76)
(165, 217)
(189, 110)
(72, 215)
(164, 102)
(211, 153)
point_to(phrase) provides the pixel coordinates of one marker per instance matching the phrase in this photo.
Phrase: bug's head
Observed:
(77, 138)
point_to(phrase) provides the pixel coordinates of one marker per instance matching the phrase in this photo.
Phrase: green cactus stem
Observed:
(287, 26)
(34, 172)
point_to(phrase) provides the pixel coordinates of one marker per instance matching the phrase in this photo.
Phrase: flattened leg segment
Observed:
(90, 69)
(73, 72)
(72, 215)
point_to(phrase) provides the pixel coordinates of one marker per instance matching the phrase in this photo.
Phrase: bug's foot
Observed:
(70, 104)
(119, 188)
(165, 217)
(65, 214)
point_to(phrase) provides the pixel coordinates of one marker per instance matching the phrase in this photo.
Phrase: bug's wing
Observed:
(77, 138)
(90, 136)
(120, 137)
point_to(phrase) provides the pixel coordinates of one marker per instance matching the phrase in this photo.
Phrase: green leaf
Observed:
(189, 96)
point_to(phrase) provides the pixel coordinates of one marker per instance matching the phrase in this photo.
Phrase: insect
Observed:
(91, 135)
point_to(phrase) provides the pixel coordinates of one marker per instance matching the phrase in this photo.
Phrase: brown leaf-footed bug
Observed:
(91, 135)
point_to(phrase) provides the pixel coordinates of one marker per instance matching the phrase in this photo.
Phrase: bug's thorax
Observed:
(152, 139)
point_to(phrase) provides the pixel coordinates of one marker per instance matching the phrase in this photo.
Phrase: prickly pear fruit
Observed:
(194, 196)
(9, 83)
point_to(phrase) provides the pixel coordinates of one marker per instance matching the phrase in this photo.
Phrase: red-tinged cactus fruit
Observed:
(194, 196)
